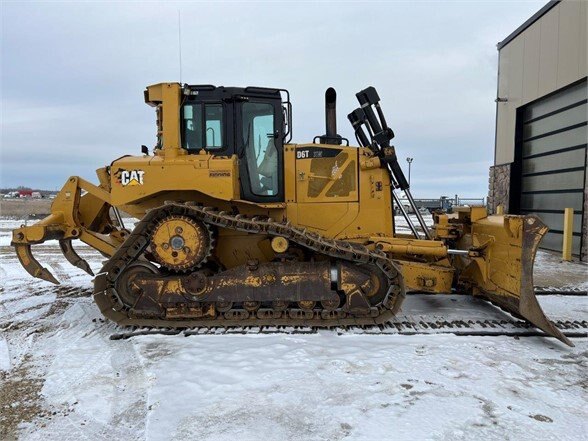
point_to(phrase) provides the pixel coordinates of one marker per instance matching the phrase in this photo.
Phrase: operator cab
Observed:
(252, 123)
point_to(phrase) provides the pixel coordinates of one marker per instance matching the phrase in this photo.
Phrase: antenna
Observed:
(180, 42)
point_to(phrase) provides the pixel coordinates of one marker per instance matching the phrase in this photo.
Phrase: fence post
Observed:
(568, 227)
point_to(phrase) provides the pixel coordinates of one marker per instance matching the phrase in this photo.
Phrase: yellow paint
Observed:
(568, 229)
(279, 244)
(178, 228)
(259, 281)
(410, 246)
(327, 179)
(291, 279)
(423, 277)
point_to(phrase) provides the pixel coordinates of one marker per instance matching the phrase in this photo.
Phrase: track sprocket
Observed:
(181, 244)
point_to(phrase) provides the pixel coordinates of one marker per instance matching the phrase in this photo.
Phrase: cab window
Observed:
(202, 126)
(260, 149)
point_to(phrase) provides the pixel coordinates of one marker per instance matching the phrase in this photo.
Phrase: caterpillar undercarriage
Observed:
(237, 226)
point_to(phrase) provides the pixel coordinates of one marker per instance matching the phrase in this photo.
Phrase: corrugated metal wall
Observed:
(552, 154)
(547, 56)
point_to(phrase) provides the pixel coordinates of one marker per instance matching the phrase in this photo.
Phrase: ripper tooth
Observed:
(73, 257)
(32, 265)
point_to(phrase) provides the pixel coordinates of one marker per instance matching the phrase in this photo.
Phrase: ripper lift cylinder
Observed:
(381, 135)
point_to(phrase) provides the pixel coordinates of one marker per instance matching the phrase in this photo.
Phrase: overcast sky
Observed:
(73, 76)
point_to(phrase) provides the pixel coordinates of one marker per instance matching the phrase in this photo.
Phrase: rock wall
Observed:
(499, 187)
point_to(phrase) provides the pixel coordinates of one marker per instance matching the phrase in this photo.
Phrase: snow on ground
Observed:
(401, 225)
(62, 378)
(551, 271)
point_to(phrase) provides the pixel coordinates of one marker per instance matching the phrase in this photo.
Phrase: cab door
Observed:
(261, 163)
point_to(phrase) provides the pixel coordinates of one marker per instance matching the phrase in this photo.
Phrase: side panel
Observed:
(330, 221)
(375, 214)
(137, 178)
(326, 174)
(337, 191)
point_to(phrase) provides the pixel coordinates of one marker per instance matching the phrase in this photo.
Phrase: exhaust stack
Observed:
(331, 136)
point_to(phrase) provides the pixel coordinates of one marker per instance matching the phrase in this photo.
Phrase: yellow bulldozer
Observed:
(238, 226)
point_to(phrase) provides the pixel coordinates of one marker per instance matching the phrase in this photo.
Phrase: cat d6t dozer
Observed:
(237, 226)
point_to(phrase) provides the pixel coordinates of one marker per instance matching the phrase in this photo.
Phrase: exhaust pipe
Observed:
(331, 112)
(331, 136)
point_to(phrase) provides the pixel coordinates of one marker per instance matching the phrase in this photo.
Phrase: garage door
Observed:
(553, 161)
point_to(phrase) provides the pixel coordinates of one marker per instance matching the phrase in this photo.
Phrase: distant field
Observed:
(24, 207)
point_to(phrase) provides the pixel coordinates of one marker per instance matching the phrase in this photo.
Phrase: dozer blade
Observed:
(73, 257)
(503, 274)
(33, 267)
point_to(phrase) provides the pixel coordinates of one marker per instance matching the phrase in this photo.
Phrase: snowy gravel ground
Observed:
(62, 378)
(552, 272)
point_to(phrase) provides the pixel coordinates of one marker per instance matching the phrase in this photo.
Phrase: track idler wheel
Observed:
(375, 288)
(128, 291)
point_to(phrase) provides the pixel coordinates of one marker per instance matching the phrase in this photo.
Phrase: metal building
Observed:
(541, 122)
